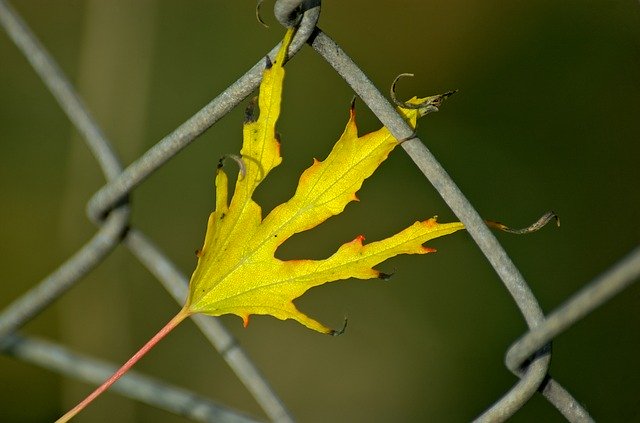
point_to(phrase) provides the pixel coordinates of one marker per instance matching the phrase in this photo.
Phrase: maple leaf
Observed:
(237, 271)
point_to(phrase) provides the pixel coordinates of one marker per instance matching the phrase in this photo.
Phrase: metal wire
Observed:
(458, 203)
(528, 358)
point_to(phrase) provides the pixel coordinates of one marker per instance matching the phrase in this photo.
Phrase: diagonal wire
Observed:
(442, 182)
(573, 411)
(167, 397)
(536, 372)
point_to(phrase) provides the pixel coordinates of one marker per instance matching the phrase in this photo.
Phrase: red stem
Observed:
(182, 314)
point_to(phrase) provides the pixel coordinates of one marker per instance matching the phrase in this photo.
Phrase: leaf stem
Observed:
(175, 321)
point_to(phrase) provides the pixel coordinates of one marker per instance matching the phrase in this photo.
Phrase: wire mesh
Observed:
(109, 208)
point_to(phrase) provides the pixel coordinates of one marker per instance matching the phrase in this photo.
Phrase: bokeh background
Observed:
(547, 117)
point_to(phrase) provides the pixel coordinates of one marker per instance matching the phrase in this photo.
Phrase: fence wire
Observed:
(528, 357)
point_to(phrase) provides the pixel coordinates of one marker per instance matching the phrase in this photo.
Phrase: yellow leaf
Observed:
(237, 272)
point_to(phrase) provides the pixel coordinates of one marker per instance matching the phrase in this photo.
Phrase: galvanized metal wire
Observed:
(528, 358)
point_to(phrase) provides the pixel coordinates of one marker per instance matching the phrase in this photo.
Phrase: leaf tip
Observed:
(385, 276)
(352, 106)
(341, 330)
(432, 221)
(258, 17)
(423, 106)
(536, 226)
(352, 128)
(245, 320)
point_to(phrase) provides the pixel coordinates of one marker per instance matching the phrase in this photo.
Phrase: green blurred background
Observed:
(547, 117)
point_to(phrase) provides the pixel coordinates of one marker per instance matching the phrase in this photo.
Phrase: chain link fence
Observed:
(110, 209)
